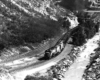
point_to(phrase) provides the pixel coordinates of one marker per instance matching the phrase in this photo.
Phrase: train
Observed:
(53, 51)
(57, 48)
(60, 45)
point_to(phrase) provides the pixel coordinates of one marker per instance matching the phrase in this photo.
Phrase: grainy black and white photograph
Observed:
(49, 39)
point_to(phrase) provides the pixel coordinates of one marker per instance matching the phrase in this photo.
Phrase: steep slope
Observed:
(27, 22)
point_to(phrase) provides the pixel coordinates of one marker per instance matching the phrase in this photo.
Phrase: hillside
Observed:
(48, 39)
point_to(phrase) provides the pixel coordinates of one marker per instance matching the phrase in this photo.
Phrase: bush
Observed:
(38, 78)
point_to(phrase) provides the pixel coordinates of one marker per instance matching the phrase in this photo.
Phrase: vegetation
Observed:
(85, 30)
(17, 27)
(38, 78)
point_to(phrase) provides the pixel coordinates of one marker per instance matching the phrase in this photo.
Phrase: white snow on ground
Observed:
(76, 70)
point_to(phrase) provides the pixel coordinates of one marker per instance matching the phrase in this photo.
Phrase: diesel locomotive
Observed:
(58, 48)
(60, 45)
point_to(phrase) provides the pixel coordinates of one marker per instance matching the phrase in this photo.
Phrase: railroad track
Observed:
(33, 68)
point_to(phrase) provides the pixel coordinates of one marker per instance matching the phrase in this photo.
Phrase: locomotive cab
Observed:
(50, 53)
(47, 54)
